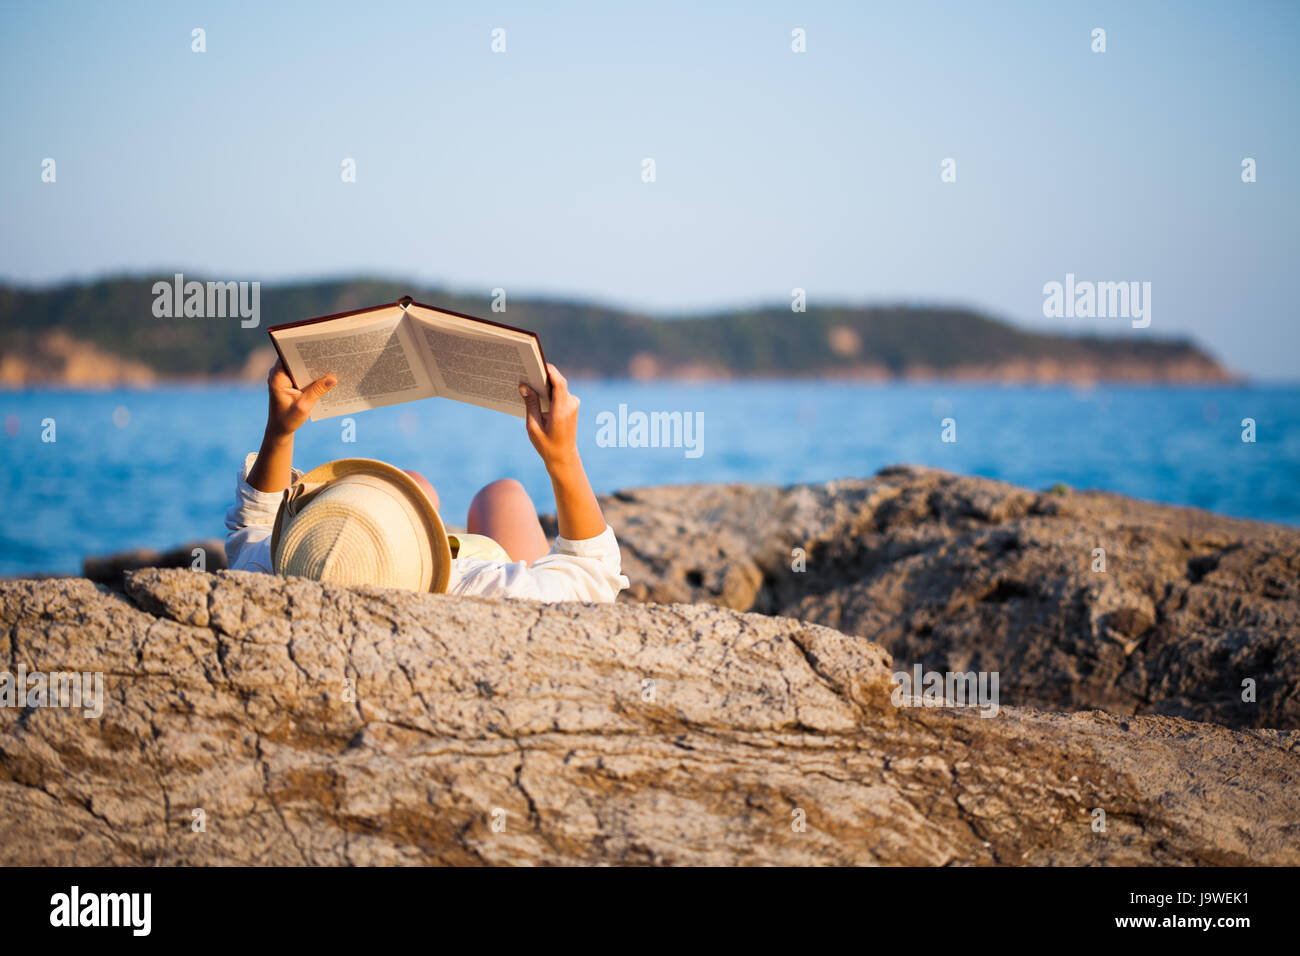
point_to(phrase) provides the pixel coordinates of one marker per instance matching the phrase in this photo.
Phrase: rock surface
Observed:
(58, 357)
(208, 554)
(963, 574)
(229, 702)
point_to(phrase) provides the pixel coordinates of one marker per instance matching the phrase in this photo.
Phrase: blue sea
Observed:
(156, 467)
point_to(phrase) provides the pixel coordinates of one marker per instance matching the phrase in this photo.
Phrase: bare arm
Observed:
(287, 409)
(555, 436)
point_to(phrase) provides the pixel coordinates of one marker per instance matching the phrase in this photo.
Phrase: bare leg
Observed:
(504, 512)
(425, 486)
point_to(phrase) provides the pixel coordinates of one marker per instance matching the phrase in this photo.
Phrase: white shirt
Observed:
(587, 570)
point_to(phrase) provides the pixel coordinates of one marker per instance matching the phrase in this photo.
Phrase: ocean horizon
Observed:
(155, 466)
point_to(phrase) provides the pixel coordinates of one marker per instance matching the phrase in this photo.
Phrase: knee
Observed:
(425, 486)
(497, 493)
(500, 489)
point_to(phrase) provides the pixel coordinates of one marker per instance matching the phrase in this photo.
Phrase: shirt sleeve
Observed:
(587, 570)
(249, 522)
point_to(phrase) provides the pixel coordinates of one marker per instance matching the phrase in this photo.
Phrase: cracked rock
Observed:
(960, 573)
(301, 723)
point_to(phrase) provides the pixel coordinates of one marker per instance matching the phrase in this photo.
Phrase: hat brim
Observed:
(332, 471)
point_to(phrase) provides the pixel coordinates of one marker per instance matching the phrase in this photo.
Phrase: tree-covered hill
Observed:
(116, 316)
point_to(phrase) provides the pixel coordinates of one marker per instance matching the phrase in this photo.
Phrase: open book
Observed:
(404, 351)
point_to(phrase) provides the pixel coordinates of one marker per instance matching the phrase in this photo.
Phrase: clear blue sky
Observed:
(774, 169)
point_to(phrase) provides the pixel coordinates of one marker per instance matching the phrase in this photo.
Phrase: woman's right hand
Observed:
(290, 407)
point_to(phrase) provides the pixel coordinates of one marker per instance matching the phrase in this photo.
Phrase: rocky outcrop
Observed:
(1174, 615)
(208, 554)
(253, 720)
(959, 573)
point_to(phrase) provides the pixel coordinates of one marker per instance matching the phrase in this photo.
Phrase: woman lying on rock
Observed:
(360, 521)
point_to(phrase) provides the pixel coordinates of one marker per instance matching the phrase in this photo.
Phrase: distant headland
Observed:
(110, 332)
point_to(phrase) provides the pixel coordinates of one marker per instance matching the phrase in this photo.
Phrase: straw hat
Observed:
(360, 521)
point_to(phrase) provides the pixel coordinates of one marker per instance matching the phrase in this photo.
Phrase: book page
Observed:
(479, 363)
(374, 357)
